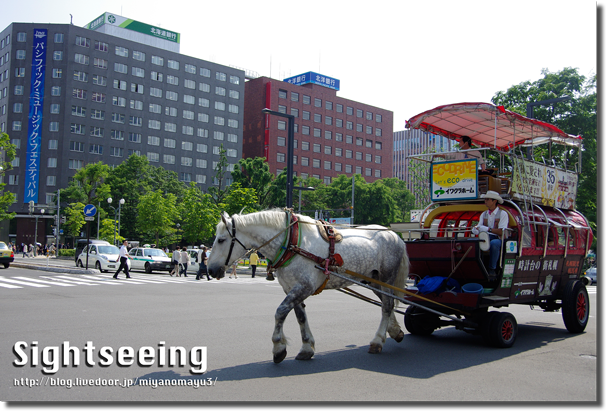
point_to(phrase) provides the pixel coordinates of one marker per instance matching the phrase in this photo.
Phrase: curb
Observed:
(56, 269)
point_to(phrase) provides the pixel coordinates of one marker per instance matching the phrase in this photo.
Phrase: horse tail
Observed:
(402, 274)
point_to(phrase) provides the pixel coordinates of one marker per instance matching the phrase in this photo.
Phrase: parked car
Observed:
(103, 256)
(7, 256)
(81, 244)
(591, 273)
(149, 259)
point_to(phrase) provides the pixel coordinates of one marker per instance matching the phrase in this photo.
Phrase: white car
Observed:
(592, 274)
(104, 257)
(149, 259)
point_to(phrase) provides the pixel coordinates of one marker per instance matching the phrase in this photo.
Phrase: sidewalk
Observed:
(54, 264)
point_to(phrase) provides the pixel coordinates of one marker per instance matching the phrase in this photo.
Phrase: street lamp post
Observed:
(121, 202)
(301, 188)
(36, 233)
(290, 159)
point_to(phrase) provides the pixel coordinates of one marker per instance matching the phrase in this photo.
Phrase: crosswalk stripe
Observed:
(8, 280)
(9, 286)
(103, 280)
(153, 280)
(45, 282)
(68, 280)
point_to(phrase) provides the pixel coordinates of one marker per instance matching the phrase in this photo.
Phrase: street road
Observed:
(234, 319)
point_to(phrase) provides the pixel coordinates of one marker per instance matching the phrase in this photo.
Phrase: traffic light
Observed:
(31, 206)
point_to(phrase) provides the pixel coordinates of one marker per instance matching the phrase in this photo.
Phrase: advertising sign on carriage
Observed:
(454, 180)
(548, 185)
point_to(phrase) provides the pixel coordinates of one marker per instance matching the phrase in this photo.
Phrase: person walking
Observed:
(175, 263)
(185, 259)
(202, 257)
(234, 269)
(24, 250)
(124, 255)
(253, 262)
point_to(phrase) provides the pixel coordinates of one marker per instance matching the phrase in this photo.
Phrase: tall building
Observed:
(72, 95)
(332, 135)
(409, 144)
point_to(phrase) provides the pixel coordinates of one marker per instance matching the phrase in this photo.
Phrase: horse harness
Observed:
(291, 247)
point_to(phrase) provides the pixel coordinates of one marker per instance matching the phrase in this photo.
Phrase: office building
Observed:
(332, 135)
(408, 147)
(72, 95)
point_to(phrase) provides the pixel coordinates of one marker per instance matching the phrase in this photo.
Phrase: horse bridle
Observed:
(233, 238)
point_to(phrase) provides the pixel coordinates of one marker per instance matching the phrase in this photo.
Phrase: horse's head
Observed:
(226, 249)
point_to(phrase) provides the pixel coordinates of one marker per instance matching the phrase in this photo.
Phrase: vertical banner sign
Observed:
(454, 180)
(32, 171)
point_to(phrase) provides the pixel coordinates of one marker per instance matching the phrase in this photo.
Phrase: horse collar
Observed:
(291, 239)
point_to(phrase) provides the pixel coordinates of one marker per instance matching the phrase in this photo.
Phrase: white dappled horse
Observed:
(379, 254)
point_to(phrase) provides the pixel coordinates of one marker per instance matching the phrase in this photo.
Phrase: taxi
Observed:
(149, 259)
(6, 255)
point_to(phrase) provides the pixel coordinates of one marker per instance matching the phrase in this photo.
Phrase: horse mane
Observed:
(269, 218)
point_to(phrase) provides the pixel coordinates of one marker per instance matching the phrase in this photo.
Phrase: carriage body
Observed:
(544, 247)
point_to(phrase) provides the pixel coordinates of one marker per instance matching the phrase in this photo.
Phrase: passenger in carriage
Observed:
(493, 221)
(466, 144)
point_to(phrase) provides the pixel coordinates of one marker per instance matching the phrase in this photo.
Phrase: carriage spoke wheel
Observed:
(501, 329)
(575, 306)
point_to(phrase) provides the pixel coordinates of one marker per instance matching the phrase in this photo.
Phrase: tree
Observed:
(577, 116)
(254, 173)
(75, 219)
(404, 200)
(6, 198)
(217, 191)
(239, 200)
(157, 214)
(87, 186)
(109, 231)
(199, 215)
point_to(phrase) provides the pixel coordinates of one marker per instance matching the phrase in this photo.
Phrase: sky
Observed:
(400, 55)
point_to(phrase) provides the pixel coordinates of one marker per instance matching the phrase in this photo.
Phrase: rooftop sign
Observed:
(315, 78)
(119, 21)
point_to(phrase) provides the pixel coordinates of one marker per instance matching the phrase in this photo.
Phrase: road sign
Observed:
(90, 211)
(89, 218)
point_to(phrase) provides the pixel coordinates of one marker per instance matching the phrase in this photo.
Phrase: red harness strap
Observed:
(332, 260)
(293, 239)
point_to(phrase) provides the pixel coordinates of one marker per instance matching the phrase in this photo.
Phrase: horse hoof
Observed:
(399, 337)
(304, 355)
(375, 349)
(279, 357)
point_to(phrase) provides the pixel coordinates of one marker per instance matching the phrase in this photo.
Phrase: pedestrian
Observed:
(175, 263)
(185, 259)
(202, 257)
(24, 249)
(31, 251)
(234, 269)
(253, 262)
(124, 256)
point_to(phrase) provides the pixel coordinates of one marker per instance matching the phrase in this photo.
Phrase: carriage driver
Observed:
(493, 221)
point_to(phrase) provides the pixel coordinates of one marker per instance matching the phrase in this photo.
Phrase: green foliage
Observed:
(75, 219)
(217, 191)
(577, 116)
(88, 185)
(157, 213)
(109, 231)
(254, 173)
(199, 215)
(238, 199)
(6, 198)
(66, 252)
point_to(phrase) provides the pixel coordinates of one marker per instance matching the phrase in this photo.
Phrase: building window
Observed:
(186, 161)
(20, 72)
(189, 68)
(305, 130)
(204, 72)
(339, 123)
(338, 152)
(153, 157)
(169, 159)
(157, 60)
(359, 141)
(317, 132)
(203, 117)
(170, 127)
(138, 55)
(57, 73)
(21, 37)
(328, 121)
(154, 124)
(327, 165)
(116, 152)
(173, 80)
(100, 46)
(97, 132)
(369, 115)
(120, 68)
(121, 51)
(58, 38)
(156, 92)
(77, 128)
(81, 59)
(120, 84)
(316, 163)
(281, 157)
(221, 91)
(171, 111)
(185, 177)
(97, 114)
(54, 108)
(173, 64)
(348, 168)
(171, 95)
(281, 125)
(317, 102)
(294, 96)
(378, 132)
(188, 99)
(52, 162)
(205, 87)
(119, 101)
(317, 118)
(137, 88)
(190, 84)
(79, 111)
(77, 146)
(221, 76)
(156, 76)
(82, 41)
(282, 94)
(358, 155)
(51, 181)
(135, 121)
(329, 105)
(135, 137)
(154, 108)
(137, 71)
(100, 63)
(368, 143)
(117, 135)
(378, 145)
(136, 104)
(359, 113)
(16, 126)
(234, 80)
(378, 118)
(378, 159)
(96, 149)
(58, 55)
(189, 115)
(18, 108)
(80, 76)
(154, 141)
(18, 90)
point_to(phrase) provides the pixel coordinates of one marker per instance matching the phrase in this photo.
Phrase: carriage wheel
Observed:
(500, 330)
(419, 321)
(575, 306)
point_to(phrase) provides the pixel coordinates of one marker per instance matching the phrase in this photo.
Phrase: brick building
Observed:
(333, 135)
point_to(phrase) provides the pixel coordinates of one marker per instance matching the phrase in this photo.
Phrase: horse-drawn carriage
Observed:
(541, 254)
(544, 245)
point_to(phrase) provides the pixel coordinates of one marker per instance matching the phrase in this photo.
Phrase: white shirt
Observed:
(123, 251)
(184, 257)
(492, 216)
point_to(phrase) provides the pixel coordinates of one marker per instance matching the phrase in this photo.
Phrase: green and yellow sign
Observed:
(134, 25)
(454, 180)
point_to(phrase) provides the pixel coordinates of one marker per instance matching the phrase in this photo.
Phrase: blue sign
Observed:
(32, 166)
(314, 78)
(90, 210)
